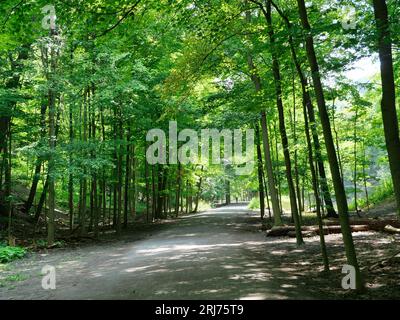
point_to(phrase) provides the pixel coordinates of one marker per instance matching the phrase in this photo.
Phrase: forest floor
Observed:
(218, 254)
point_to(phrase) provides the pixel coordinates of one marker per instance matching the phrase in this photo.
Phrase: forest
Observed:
(199, 149)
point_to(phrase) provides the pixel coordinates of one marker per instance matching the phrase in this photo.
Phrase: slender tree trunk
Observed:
(277, 165)
(199, 185)
(120, 171)
(127, 177)
(314, 180)
(133, 177)
(388, 103)
(282, 127)
(296, 165)
(355, 160)
(52, 144)
(95, 201)
(187, 197)
(6, 128)
(160, 190)
(7, 187)
(227, 191)
(266, 191)
(337, 140)
(146, 176)
(83, 207)
(365, 177)
(70, 176)
(51, 170)
(39, 161)
(276, 209)
(330, 147)
(310, 110)
(154, 195)
(266, 147)
(259, 173)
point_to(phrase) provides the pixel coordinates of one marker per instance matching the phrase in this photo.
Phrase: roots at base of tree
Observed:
(331, 214)
(331, 227)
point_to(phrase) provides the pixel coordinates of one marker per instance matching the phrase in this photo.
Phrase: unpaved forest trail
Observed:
(219, 254)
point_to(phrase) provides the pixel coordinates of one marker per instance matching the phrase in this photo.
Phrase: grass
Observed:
(5, 282)
(42, 244)
(378, 195)
(255, 203)
(16, 277)
(8, 254)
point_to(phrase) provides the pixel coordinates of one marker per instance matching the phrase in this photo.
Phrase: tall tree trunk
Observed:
(314, 180)
(310, 110)
(154, 194)
(266, 147)
(259, 173)
(36, 176)
(276, 208)
(83, 206)
(388, 103)
(160, 191)
(198, 193)
(266, 191)
(227, 191)
(178, 189)
(127, 177)
(70, 176)
(95, 201)
(365, 177)
(5, 127)
(7, 187)
(120, 171)
(282, 127)
(51, 165)
(277, 172)
(146, 177)
(355, 160)
(337, 139)
(330, 147)
(133, 182)
(43, 195)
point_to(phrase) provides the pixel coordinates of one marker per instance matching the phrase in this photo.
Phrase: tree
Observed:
(330, 147)
(388, 103)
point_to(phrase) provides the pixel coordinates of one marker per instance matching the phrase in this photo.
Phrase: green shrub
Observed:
(42, 243)
(379, 194)
(254, 203)
(8, 254)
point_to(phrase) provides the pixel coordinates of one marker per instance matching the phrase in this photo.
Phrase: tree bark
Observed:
(388, 103)
(259, 173)
(330, 147)
(282, 127)
(310, 110)
(266, 147)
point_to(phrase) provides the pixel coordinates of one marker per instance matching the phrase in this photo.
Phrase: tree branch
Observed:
(120, 20)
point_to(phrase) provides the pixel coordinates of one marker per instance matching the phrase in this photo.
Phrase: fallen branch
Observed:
(310, 231)
(331, 226)
(388, 228)
(373, 224)
(384, 262)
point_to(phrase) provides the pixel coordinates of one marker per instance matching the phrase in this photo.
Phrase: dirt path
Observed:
(220, 254)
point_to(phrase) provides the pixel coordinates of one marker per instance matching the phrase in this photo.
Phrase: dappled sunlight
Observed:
(263, 296)
(185, 247)
(137, 269)
(279, 252)
(260, 276)
(221, 258)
